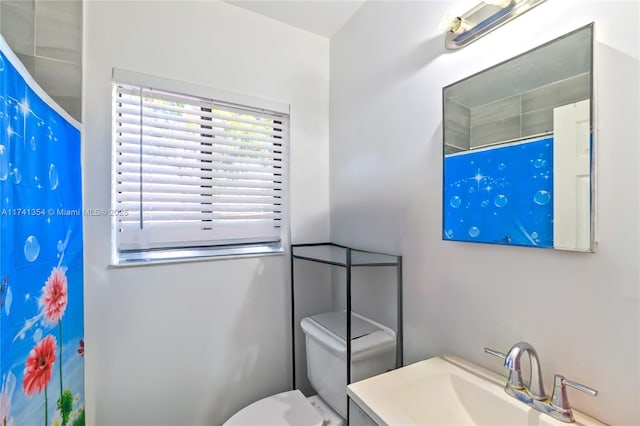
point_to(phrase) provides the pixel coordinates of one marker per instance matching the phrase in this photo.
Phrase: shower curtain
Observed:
(41, 277)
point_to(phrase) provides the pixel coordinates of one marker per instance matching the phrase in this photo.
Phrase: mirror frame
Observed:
(593, 140)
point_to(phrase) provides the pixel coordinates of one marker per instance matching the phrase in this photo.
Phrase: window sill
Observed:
(167, 256)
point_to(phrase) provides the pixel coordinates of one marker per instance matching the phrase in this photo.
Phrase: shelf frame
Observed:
(348, 264)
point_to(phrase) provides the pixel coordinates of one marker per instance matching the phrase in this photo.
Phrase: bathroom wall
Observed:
(581, 311)
(192, 343)
(47, 37)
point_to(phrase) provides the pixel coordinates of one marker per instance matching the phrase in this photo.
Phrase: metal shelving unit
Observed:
(348, 258)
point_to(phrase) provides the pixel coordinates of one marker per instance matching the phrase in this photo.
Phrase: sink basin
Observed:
(446, 391)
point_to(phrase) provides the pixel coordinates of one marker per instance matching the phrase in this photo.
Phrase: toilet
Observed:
(373, 350)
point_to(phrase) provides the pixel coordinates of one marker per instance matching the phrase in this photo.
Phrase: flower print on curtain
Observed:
(8, 385)
(54, 302)
(54, 296)
(39, 368)
(41, 270)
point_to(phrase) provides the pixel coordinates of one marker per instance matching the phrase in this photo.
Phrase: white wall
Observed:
(581, 311)
(192, 343)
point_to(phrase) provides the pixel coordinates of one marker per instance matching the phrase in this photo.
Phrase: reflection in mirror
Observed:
(518, 149)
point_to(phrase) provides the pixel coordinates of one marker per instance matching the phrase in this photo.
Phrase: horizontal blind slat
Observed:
(197, 207)
(168, 165)
(122, 197)
(219, 159)
(148, 182)
(192, 142)
(134, 188)
(239, 154)
(203, 173)
(152, 216)
(212, 104)
(193, 189)
(223, 146)
(132, 112)
(131, 124)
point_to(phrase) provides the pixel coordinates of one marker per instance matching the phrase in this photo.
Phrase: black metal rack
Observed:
(348, 258)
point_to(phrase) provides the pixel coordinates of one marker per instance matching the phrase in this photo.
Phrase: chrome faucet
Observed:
(512, 361)
(558, 405)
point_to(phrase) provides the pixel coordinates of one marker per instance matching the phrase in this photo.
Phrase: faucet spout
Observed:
(513, 362)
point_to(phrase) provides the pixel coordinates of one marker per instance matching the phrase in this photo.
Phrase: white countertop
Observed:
(446, 390)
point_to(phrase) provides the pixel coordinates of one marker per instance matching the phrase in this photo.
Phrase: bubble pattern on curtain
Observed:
(41, 270)
(500, 195)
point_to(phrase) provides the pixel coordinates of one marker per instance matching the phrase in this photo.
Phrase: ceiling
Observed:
(322, 17)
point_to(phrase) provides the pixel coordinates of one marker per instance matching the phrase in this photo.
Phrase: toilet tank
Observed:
(373, 351)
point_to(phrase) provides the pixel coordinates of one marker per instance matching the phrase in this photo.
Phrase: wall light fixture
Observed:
(484, 18)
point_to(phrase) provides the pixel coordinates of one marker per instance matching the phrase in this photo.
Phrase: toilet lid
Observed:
(336, 322)
(286, 408)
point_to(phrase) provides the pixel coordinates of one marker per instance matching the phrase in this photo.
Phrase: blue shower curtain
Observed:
(41, 276)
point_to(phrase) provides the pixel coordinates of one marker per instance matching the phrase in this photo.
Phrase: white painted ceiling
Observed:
(322, 17)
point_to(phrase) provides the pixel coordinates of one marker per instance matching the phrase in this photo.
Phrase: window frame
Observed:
(171, 254)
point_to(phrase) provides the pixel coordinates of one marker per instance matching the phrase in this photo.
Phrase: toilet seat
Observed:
(286, 408)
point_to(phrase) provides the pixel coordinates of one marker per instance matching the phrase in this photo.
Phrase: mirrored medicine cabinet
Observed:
(518, 149)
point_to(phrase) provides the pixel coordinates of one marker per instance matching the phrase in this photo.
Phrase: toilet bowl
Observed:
(372, 352)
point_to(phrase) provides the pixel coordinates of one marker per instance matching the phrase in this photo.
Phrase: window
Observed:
(194, 176)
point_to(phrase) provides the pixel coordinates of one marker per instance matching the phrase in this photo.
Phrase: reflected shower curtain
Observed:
(501, 194)
(41, 278)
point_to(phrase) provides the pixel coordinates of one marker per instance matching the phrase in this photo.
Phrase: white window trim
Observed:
(169, 255)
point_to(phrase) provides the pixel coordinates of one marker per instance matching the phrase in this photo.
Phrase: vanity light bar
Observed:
(484, 18)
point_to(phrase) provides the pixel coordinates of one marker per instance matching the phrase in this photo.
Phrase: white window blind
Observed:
(195, 172)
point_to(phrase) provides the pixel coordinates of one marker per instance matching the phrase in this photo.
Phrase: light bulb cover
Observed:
(484, 18)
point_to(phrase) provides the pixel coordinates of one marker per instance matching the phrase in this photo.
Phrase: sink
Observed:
(446, 390)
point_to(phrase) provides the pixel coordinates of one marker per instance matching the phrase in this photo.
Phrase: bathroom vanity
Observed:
(443, 390)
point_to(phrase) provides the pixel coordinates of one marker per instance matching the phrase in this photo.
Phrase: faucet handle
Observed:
(582, 388)
(559, 398)
(495, 353)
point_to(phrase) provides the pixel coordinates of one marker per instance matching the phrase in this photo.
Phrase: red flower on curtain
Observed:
(55, 295)
(39, 366)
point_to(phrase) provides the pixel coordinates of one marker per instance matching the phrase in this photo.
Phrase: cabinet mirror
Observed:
(518, 156)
